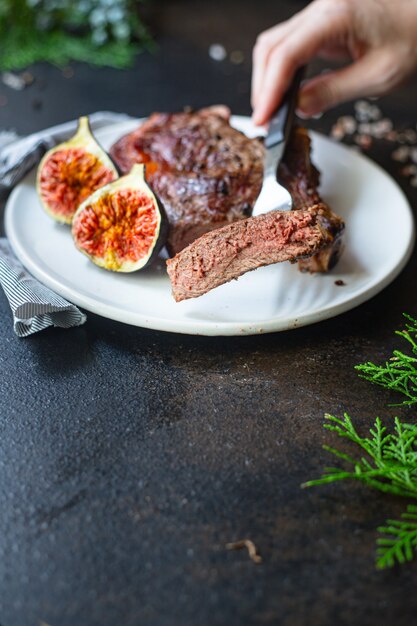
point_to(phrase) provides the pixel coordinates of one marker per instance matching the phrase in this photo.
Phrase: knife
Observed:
(274, 196)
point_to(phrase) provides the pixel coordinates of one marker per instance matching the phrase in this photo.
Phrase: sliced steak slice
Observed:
(206, 173)
(297, 173)
(226, 253)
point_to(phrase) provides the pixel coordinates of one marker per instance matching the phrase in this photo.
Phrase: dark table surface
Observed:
(129, 457)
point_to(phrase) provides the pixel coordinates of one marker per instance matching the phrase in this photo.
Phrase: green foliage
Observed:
(389, 465)
(397, 542)
(101, 32)
(400, 372)
(390, 460)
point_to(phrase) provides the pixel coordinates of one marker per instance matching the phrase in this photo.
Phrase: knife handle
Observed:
(281, 121)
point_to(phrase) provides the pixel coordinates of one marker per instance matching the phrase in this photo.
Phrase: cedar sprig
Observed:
(389, 465)
(391, 462)
(397, 541)
(399, 373)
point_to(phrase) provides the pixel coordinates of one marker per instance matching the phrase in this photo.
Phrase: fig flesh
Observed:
(70, 172)
(122, 226)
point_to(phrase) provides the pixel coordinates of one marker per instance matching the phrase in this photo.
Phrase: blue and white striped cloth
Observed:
(34, 306)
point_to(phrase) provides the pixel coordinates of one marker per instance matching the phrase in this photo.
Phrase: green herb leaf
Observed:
(397, 541)
(390, 466)
(391, 462)
(399, 373)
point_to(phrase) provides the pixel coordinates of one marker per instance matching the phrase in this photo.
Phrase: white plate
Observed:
(378, 242)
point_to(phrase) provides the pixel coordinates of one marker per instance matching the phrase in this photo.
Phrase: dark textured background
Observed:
(129, 458)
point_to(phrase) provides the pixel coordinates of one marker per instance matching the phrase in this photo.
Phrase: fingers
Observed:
(265, 44)
(274, 83)
(281, 50)
(363, 78)
(277, 67)
(378, 37)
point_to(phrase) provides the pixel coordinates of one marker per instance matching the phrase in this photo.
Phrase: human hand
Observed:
(379, 37)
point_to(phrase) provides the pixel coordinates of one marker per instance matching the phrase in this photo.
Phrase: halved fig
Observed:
(121, 226)
(71, 171)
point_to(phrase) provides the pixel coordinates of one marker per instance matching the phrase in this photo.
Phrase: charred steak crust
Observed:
(226, 253)
(206, 173)
(297, 173)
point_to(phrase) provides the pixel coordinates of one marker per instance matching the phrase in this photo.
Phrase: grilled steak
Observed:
(297, 174)
(206, 173)
(226, 253)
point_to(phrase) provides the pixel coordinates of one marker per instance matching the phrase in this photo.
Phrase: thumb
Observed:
(327, 90)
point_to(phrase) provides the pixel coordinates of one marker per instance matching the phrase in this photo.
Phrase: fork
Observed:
(273, 196)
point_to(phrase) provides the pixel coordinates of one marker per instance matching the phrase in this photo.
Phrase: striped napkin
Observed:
(33, 305)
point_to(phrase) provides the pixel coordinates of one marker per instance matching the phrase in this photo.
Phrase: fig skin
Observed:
(72, 171)
(105, 227)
